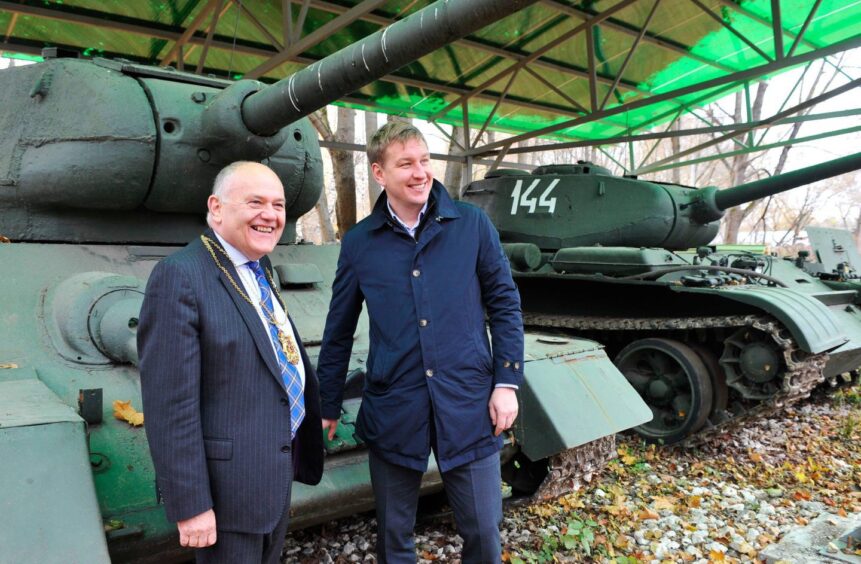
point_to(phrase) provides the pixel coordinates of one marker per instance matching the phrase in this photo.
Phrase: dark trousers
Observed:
(473, 491)
(242, 548)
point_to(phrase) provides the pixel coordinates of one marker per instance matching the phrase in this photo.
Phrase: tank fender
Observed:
(809, 320)
(50, 513)
(572, 394)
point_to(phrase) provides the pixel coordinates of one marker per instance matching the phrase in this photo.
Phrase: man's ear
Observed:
(214, 206)
(377, 171)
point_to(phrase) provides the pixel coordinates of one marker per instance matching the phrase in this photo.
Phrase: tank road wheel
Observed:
(673, 380)
(720, 391)
(753, 363)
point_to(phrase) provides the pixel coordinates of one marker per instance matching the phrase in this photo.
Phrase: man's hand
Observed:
(330, 424)
(503, 408)
(198, 531)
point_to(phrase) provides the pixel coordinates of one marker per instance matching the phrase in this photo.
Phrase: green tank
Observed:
(105, 168)
(709, 337)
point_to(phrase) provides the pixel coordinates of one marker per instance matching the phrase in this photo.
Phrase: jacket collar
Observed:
(440, 205)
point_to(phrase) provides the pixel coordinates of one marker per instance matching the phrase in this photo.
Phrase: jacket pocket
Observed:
(482, 351)
(218, 449)
(379, 374)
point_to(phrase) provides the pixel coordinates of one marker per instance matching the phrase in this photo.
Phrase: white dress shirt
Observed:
(249, 283)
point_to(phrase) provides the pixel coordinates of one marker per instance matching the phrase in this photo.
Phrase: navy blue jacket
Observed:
(217, 412)
(430, 361)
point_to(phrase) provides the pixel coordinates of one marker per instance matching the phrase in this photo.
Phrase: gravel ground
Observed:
(722, 502)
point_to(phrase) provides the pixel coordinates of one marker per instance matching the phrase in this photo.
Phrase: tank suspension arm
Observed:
(775, 184)
(741, 271)
(387, 50)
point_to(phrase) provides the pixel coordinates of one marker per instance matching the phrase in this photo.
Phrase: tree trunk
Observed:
(454, 169)
(676, 145)
(342, 163)
(345, 171)
(374, 189)
(741, 166)
(327, 230)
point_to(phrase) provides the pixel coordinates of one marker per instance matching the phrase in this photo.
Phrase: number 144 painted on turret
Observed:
(532, 203)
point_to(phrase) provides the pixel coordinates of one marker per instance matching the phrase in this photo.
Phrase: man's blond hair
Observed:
(392, 132)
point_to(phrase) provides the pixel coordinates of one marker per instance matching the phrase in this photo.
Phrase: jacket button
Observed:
(428, 372)
(423, 322)
(517, 366)
(285, 401)
(506, 364)
(285, 448)
(417, 273)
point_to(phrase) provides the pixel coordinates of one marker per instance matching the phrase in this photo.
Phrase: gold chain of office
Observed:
(287, 344)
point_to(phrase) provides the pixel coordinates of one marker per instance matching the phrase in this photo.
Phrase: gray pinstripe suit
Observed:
(217, 415)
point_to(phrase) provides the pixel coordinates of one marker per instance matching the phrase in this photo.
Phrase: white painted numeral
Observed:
(523, 199)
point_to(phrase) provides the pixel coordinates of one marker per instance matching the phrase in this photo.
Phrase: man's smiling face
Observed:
(250, 213)
(406, 176)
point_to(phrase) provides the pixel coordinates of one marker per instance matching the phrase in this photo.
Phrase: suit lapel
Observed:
(248, 312)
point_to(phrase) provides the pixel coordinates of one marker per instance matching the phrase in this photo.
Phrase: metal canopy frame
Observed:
(584, 100)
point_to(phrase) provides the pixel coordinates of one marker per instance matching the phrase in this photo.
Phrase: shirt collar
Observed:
(438, 199)
(235, 255)
(421, 215)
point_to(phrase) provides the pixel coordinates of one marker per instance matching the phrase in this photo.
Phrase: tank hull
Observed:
(59, 297)
(621, 296)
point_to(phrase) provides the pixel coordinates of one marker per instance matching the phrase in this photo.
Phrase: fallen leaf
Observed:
(647, 514)
(716, 556)
(8, 365)
(755, 457)
(663, 502)
(124, 411)
(694, 501)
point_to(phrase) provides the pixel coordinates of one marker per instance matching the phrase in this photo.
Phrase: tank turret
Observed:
(110, 151)
(105, 169)
(560, 206)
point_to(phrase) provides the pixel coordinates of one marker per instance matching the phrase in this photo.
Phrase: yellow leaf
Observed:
(124, 411)
(694, 501)
(755, 457)
(8, 365)
(800, 476)
(628, 459)
(663, 502)
(716, 556)
(647, 514)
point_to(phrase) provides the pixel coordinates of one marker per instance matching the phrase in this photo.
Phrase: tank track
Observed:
(804, 371)
(568, 470)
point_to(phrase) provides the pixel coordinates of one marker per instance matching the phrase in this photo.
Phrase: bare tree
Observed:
(374, 189)
(342, 163)
(741, 164)
(324, 217)
(454, 169)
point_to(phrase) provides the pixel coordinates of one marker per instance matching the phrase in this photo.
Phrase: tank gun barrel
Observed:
(759, 189)
(341, 73)
(709, 204)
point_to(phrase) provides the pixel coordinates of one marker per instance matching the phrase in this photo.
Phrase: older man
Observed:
(428, 269)
(231, 400)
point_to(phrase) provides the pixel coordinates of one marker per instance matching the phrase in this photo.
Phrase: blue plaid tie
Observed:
(289, 373)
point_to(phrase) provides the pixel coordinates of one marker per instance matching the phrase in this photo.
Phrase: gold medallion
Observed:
(288, 347)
